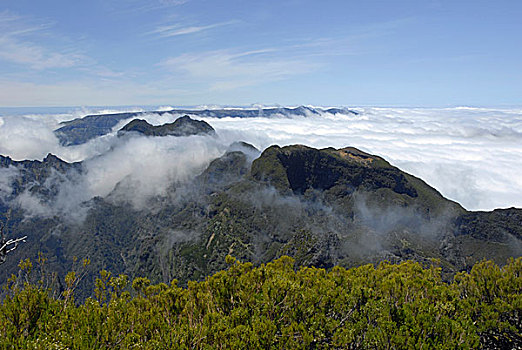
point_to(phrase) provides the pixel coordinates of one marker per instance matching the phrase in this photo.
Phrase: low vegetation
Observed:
(276, 305)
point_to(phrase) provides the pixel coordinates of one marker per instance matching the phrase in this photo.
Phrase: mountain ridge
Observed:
(182, 126)
(81, 130)
(324, 207)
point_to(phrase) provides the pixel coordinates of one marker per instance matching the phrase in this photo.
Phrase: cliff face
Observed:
(323, 207)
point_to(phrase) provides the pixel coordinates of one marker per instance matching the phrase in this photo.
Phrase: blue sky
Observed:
(228, 52)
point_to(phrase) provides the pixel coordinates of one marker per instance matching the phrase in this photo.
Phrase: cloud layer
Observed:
(471, 155)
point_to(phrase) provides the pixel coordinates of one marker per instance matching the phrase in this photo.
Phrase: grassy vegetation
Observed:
(276, 305)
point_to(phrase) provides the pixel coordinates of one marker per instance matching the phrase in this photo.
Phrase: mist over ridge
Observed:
(471, 155)
(170, 199)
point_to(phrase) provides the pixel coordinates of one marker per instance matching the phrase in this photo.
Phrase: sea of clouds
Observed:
(471, 155)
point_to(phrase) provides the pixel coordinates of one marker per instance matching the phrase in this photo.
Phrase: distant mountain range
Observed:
(324, 207)
(81, 130)
(184, 126)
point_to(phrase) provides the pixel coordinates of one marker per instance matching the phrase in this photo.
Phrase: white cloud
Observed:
(132, 169)
(472, 156)
(227, 70)
(7, 175)
(35, 56)
(142, 167)
(32, 137)
(23, 137)
(32, 205)
(176, 29)
(18, 37)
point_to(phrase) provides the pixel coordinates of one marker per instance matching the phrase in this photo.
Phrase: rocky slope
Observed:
(323, 207)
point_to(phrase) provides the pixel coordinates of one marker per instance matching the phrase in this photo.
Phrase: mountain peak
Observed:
(183, 126)
(51, 158)
(299, 168)
(81, 130)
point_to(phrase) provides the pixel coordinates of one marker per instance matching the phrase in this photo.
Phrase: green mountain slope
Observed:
(323, 207)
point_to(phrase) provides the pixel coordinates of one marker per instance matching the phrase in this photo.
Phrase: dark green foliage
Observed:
(345, 172)
(500, 225)
(229, 168)
(274, 306)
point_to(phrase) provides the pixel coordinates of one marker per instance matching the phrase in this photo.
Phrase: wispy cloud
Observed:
(81, 92)
(173, 2)
(141, 6)
(35, 56)
(225, 69)
(17, 45)
(176, 29)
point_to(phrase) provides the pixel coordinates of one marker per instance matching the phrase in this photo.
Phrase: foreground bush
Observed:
(274, 306)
